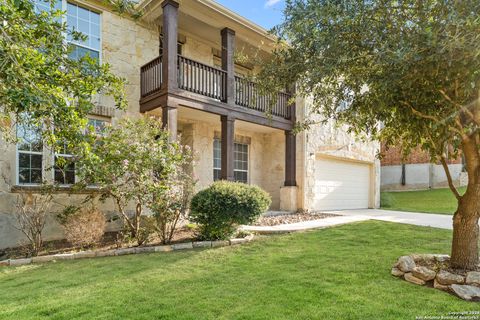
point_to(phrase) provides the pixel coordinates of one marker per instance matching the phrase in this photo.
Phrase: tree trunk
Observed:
(465, 233)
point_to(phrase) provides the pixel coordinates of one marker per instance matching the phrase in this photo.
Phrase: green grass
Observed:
(336, 273)
(430, 201)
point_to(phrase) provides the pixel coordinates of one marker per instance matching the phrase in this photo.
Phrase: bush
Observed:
(220, 208)
(84, 227)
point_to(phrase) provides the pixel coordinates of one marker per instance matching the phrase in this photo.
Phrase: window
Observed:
(98, 125)
(88, 23)
(29, 155)
(64, 169)
(240, 158)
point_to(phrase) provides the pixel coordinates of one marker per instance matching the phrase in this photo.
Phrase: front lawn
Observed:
(430, 201)
(337, 273)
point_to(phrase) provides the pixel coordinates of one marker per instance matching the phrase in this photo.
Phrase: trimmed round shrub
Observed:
(224, 205)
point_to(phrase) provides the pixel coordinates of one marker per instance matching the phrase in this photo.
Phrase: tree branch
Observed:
(418, 113)
(449, 177)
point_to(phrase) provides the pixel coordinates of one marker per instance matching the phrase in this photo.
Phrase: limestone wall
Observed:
(334, 141)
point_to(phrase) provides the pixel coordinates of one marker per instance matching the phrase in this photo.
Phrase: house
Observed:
(417, 171)
(179, 60)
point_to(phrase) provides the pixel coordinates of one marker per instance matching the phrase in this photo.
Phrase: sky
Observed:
(266, 13)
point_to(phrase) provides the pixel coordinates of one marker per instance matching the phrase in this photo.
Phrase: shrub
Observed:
(220, 208)
(84, 227)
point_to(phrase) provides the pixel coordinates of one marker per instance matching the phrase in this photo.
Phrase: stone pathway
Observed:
(349, 216)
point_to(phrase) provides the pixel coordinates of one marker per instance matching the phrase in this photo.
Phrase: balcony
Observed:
(211, 82)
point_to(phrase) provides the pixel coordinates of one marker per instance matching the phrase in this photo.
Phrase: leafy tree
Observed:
(133, 163)
(39, 79)
(411, 66)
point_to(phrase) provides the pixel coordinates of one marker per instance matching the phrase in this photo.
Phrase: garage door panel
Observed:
(341, 184)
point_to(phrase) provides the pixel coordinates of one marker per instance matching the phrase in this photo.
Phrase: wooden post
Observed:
(290, 159)
(169, 121)
(228, 64)
(170, 39)
(228, 137)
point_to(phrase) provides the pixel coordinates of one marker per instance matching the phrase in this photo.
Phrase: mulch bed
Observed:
(291, 218)
(109, 241)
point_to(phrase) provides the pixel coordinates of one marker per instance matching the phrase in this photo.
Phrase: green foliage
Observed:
(39, 79)
(134, 164)
(224, 205)
(412, 66)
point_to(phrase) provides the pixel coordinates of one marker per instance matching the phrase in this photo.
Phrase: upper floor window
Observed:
(82, 20)
(88, 23)
(240, 158)
(29, 155)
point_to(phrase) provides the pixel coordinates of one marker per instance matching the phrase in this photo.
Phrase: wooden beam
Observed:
(170, 39)
(290, 158)
(228, 64)
(228, 137)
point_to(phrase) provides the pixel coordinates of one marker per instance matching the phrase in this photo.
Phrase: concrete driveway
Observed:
(442, 221)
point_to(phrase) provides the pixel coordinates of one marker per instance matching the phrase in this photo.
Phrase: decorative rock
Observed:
(4, 263)
(163, 248)
(473, 277)
(202, 244)
(447, 278)
(411, 278)
(84, 254)
(397, 272)
(441, 257)
(249, 237)
(144, 249)
(41, 259)
(425, 257)
(20, 262)
(406, 263)
(439, 286)
(424, 273)
(220, 243)
(64, 256)
(106, 253)
(182, 246)
(122, 252)
(237, 241)
(466, 292)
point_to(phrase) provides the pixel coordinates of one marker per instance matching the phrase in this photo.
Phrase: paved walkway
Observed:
(349, 216)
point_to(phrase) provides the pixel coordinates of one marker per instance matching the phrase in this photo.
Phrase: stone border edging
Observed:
(125, 251)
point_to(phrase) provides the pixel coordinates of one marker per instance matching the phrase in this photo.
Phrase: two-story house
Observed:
(179, 60)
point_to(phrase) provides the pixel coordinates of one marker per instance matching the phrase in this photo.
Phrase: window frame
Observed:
(17, 162)
(247, 171)
(54, 167)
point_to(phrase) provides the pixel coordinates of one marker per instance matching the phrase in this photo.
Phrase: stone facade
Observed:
(129, 44)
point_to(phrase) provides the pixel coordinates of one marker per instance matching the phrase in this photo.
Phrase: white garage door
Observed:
(341, 185)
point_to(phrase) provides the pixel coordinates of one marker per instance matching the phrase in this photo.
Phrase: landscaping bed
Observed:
(273, 220)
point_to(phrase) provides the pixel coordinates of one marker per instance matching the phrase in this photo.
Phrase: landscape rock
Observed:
(424, 273)
(422, 257)
(406, 263)
(64, 256)
(220, 243)
(202, 244)
(84, 254)
(182, 246)
(466, 292)
(106, 253)
(473, 277)
(249, 237)
(40, 259)
(144, 249)
(447, 278)
(439, 286)
(237, 241)
(20, 262)
(441, 257)
(411, 278)
(165, 248)
(122, 252)
(397, 272)
(4, 263)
